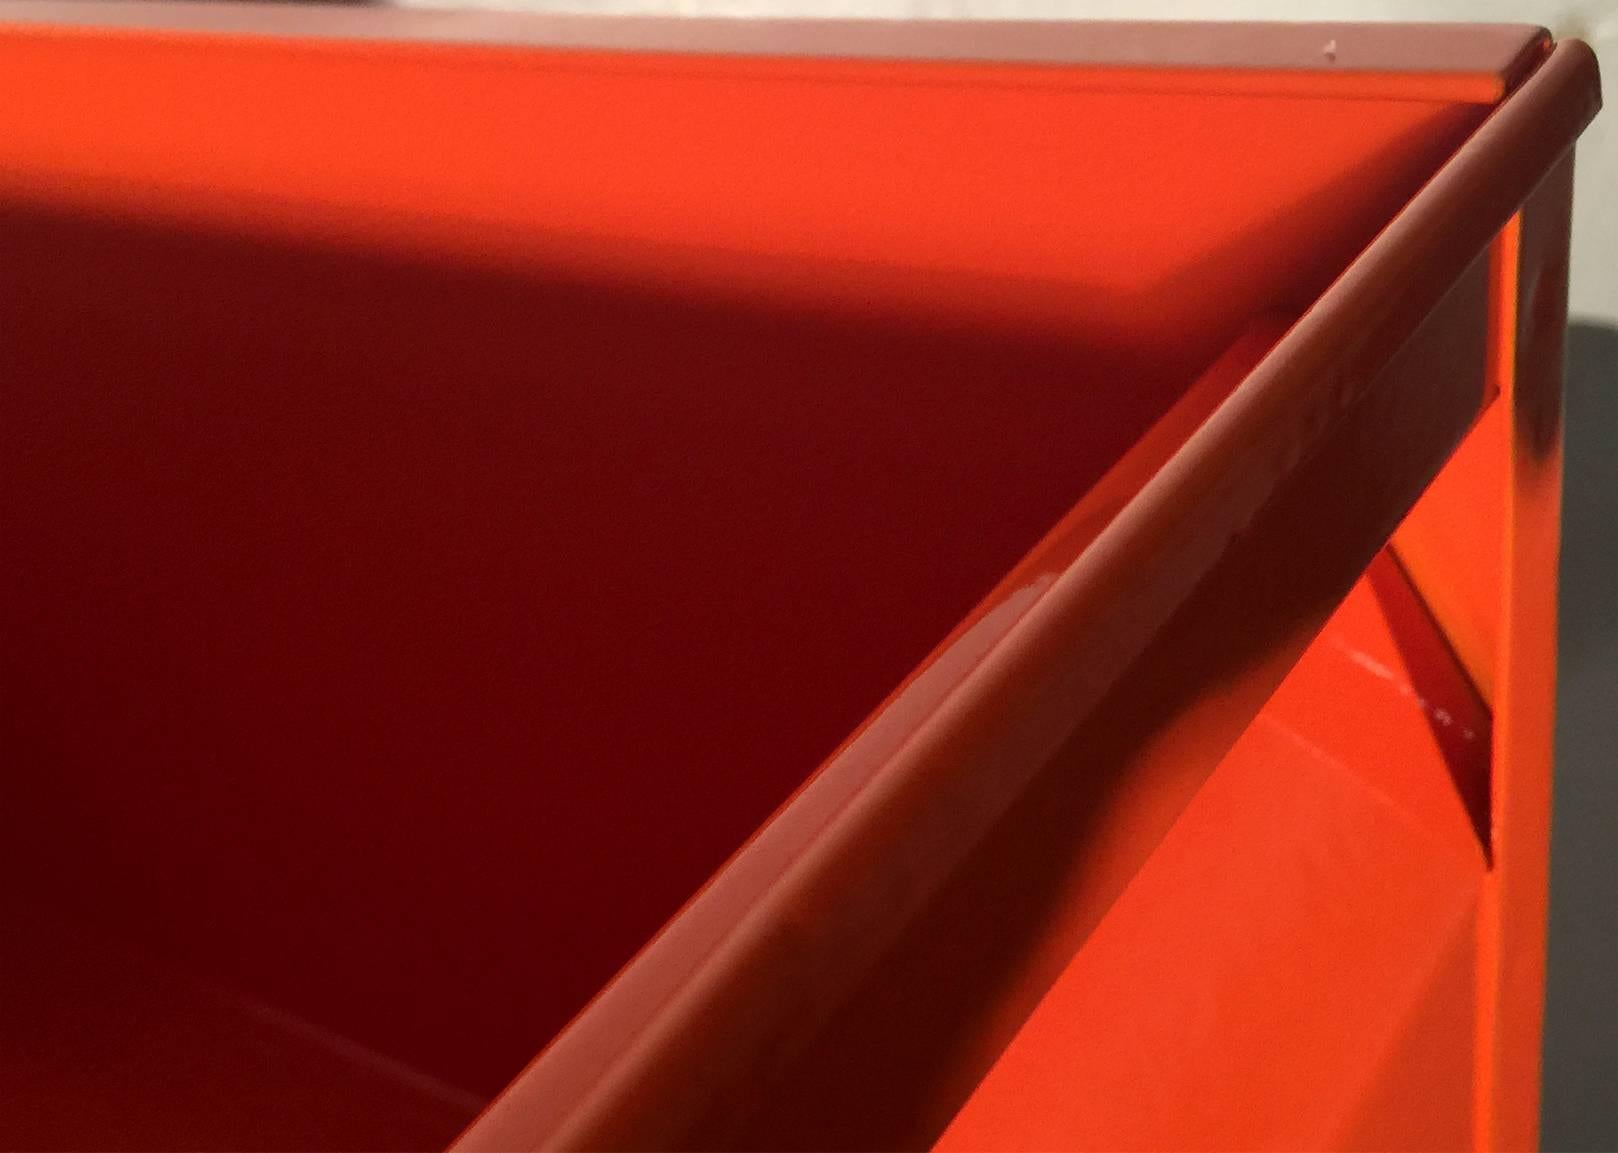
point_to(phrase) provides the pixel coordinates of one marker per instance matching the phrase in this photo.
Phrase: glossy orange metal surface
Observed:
(1512, 949)
(1482, 546)
(1317, 899)
(437, 539)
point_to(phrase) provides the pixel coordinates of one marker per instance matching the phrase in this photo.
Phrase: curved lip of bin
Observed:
(892, 808)
(989, 679)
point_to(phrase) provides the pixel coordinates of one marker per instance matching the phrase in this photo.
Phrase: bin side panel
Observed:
(375, 626)
(1452, 545)
(926, 1016)
(1514, 920)
(1293, 966)
(466, 536)
(671, 1072)
(1136, 203)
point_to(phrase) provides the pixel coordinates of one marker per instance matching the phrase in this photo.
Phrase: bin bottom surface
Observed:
(105, 1048)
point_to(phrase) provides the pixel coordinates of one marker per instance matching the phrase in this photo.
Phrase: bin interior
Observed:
(406, 607)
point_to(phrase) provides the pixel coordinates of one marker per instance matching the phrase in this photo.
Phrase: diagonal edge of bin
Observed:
(1343, 420)
(1134, 644)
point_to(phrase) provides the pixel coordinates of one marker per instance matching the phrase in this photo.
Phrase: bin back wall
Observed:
(427, 559)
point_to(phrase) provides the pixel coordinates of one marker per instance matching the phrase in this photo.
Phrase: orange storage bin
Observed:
(762, 585)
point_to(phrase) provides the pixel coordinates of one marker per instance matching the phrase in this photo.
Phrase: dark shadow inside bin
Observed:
(391, 645)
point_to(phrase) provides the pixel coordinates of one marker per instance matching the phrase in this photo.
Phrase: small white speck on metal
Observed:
(1330, 51)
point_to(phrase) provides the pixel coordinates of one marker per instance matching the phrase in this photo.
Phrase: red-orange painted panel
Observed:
(495, 538)
(1299, 938)
(1017, 196)
(1108, 699)
(105, 1048)
(1409, 1100)
(1191, 1018)
(1512, 941)
(431, 552)
(1380, 681)
(698, 1024)
(1453, 541)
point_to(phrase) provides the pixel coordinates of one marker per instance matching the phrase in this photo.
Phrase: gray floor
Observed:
(1581, 1018)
